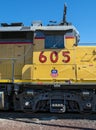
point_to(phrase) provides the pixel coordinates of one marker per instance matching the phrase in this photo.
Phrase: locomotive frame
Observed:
(42, 68)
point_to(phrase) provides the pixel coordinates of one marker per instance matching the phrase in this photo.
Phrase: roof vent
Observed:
(4, 24)
(17, 24)
(12, 24)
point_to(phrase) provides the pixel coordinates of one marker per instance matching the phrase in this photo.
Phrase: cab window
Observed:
(54, 41)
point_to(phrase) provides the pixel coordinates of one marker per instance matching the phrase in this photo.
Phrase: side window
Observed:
(18, 36)
(54, 41)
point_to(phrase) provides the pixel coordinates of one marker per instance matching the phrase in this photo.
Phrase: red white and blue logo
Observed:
(54, 73)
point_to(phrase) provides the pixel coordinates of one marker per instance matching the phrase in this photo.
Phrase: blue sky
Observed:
(82, 13)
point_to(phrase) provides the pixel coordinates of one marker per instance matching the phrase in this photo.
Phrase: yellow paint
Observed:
(86, 63)
(69, 43)
(21, 53)
(27, 72)
(74, 63)
(42, 72)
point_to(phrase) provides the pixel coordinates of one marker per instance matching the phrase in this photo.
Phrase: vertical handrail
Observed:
(13, 61)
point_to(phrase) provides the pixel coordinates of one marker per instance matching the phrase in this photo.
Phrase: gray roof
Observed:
(58, 28)
(44, 28)
(17, 28)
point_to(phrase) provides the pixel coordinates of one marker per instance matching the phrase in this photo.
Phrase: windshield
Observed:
(54, 41)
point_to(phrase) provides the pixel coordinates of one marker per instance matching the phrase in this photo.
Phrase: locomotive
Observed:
(42, 68)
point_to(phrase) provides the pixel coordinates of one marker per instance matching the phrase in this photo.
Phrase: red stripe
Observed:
(15, 42)
(69, 37)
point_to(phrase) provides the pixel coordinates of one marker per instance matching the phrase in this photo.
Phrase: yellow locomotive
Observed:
(42, 68)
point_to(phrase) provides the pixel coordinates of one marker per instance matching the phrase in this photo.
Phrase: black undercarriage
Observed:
(48, 98)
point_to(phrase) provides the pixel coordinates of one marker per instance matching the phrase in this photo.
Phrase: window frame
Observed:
(54, 33)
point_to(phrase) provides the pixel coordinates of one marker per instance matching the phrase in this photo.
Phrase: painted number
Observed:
(42, 57)
(66, 56)
(54, 57)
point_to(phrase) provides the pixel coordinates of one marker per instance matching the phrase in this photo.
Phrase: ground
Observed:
(42, 121)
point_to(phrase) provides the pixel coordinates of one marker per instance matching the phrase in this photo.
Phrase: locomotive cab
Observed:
(53, 54)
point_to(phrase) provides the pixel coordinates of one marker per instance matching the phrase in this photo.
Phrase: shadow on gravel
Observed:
(43, 119)
(46, 116)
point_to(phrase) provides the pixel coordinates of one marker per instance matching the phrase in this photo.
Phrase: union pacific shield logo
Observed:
(54, 73)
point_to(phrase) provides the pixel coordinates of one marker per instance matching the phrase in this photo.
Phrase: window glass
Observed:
(54, 41)
(16, 36)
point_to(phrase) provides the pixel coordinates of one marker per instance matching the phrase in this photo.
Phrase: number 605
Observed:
(54, 57)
